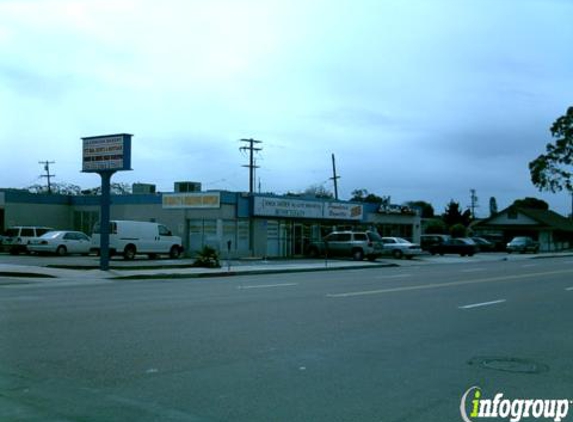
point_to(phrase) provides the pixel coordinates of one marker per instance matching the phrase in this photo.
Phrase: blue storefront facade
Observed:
(255, 225)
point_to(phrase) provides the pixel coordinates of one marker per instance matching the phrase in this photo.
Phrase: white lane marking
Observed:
(479, 305)
(265, 286)
(393, 276)
(528, 265)
(569, 289)
(473, 270)
(452, 284)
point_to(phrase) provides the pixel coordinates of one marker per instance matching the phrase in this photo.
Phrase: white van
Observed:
(130, 238)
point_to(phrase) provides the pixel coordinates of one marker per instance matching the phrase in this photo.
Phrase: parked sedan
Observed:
(523, 244)
(398, 247)
(461, 246)
(483, 244)
(61, 242)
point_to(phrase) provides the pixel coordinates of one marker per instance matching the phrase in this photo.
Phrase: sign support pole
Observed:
(105, 155)
(105, 218)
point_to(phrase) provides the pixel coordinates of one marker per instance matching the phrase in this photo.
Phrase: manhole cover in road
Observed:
(506, 364)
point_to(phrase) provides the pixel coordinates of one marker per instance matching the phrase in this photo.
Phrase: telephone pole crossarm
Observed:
(252, 165)
(48, 175)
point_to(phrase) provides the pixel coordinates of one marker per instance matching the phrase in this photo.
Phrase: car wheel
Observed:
(397, 254)
(61, 251)
(129, 252)
(175, 252)
(358, 255)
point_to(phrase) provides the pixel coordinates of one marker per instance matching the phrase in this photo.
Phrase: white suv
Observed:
(349, 243)
(16, 238)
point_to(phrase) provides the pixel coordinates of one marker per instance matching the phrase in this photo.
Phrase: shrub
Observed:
(207, 257)
(458, 230)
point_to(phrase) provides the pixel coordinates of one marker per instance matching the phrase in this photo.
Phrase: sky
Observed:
(417, 99)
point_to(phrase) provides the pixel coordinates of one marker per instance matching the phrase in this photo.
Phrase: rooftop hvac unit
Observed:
(182, 187)
(142, 188)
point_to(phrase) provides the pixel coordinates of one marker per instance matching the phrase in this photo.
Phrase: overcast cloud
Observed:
(418, 99)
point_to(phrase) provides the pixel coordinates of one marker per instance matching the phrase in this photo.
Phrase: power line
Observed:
(48, 175)
(252, 164)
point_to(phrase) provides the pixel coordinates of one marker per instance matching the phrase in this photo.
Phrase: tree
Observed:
(60, 188)
(552, 171)
(458, 230)
(318, 191)
(115, 188)
(453, 215)
(362, 195)
(426, 209)
(528, 202)
(436, 226)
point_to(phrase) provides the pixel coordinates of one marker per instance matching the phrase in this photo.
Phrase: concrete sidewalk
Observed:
(144, 269)
(177, 271)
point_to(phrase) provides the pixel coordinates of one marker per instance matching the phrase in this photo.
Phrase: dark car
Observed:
(523, 244)
(484, 245)
(461, 246)
(429, 241)
(497, 239)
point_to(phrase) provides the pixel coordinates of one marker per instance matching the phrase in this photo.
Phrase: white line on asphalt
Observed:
(478, 305)
(264, 286)
(569, 289)
(393, 276)
(452, 284)
(528, 265)
(473, 270)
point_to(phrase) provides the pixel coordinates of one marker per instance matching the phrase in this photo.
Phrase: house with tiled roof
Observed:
(553, 231)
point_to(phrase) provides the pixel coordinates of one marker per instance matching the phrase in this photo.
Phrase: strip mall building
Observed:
(255, 225)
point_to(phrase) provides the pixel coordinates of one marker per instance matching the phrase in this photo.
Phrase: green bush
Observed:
(207, 257)
(458, 230)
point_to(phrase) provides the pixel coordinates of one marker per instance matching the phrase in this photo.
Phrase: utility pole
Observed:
(474, 204)
(48, 175)
(334, 177)
(252, 148)
(252, 165)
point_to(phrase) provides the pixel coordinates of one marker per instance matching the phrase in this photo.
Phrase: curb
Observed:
(25, 274)
(247, 272)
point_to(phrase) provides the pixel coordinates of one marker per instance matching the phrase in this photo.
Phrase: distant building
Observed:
(553, 231)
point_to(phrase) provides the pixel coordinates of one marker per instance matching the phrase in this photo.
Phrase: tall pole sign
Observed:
(105, 155)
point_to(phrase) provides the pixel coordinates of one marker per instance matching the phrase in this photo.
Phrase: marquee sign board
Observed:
(106, 153)
(191, 200)
(298, 208)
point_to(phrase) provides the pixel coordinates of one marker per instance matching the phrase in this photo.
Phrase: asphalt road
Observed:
(385, 344)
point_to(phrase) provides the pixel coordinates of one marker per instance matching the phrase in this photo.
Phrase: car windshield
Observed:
(374, 236)
(50, 235)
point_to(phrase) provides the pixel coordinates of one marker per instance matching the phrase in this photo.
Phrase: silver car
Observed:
(401, 248)
(61, 243)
